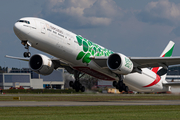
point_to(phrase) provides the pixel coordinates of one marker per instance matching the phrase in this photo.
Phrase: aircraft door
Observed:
(74, 44)
(69, 41)
(43, 28)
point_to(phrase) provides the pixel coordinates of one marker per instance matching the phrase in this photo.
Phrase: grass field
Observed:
(91, 113)
(158, 112)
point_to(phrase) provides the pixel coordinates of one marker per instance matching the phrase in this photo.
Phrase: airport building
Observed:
(27, 79)
(173, 74)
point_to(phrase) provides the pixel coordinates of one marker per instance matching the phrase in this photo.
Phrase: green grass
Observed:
(169, 112)
(91, 113)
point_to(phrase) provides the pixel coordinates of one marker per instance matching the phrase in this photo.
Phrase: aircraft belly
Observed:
(95, 71)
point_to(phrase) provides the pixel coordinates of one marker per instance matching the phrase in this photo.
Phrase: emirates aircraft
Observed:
(80, 56)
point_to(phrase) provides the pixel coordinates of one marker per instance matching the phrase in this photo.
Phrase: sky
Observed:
(136, 28)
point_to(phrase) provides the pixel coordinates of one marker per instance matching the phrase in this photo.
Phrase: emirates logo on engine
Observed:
(128, 63)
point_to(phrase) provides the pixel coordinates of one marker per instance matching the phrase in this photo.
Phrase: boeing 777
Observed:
(79, 55)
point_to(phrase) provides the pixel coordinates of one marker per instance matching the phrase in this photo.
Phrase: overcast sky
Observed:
(138, 28)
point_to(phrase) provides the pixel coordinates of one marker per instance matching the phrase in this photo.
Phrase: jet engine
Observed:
(119, 63)
(41, 64)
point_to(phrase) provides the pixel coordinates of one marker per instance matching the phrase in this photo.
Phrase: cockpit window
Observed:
(25, 21)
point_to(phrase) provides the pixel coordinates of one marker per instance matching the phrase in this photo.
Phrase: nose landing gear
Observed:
(26, 44)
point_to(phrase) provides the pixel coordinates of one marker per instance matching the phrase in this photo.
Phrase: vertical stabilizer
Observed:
(166, 53)
(168, 50)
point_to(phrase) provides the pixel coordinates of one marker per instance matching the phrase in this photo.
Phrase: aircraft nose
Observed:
(17, 28)
(21, 30)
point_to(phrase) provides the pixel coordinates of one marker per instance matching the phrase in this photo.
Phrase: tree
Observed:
(88, 81)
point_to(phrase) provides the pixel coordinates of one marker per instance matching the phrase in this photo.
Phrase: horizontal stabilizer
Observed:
(18, 58)
(172, 84)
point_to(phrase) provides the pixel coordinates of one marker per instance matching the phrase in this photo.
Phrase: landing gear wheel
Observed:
(71, 83)
(77, 89)
(27, 54)
(76, 85)
(126, 89)
(120, 84)
(82, 89)
(120, 89)
(123, 86)
(114, 83)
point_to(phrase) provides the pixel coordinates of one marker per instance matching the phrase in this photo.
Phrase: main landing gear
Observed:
(120, 85)
(26, 44)
(76, 84)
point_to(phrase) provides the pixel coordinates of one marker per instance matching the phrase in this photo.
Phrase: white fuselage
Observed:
(65, 45)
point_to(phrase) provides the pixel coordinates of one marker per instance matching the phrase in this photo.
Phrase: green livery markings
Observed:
(90, 49)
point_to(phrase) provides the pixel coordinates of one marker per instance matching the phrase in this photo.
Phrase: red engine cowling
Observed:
(41, 64)
(119, 63)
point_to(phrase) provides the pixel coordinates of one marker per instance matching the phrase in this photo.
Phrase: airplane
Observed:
(80, 56)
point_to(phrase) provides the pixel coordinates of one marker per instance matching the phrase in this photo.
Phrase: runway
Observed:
(70, 103)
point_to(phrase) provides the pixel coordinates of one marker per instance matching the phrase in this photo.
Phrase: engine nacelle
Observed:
(119, 63)
(41, 64)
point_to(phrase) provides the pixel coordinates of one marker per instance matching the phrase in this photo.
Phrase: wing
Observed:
(100, 61)
(57, 63)
(142, 62)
